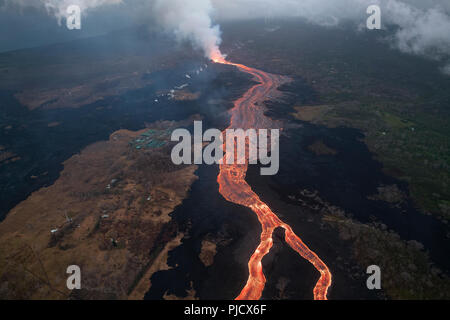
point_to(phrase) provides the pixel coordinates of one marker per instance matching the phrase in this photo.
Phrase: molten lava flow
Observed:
(232, 185)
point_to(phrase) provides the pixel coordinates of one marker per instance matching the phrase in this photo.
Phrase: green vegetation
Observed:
(404, 111)
(151, 139)
(406, 268)
(414, 151)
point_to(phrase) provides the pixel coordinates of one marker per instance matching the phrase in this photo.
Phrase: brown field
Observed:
(111, 208)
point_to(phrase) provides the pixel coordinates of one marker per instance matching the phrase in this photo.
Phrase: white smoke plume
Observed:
(190, 20)
(423, 26)
(186, 19)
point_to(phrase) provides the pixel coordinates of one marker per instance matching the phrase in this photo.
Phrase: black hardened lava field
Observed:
(237, 156)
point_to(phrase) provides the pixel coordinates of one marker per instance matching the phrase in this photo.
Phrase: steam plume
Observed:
(422, 26)
(190, 20)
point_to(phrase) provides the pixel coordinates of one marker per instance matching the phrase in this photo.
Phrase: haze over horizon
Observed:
(422, 27)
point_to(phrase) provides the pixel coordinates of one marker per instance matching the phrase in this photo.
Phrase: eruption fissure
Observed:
(247, 114)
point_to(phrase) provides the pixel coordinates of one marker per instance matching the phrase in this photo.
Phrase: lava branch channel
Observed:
(232, 186)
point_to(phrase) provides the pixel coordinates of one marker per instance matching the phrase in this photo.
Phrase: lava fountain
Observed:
(247, 113)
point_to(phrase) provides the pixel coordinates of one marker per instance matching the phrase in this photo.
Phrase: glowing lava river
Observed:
(248, 113)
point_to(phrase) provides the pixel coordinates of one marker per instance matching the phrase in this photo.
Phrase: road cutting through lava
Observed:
(248, 113)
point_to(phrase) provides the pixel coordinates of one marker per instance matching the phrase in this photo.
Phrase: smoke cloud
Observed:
(190, 20)
(422, 27)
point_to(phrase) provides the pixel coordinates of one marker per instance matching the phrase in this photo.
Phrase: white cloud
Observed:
(423, 26)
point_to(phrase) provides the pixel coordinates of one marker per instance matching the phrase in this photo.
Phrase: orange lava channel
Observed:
(232, 185)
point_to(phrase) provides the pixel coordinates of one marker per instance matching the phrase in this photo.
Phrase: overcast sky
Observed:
(423, 25)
